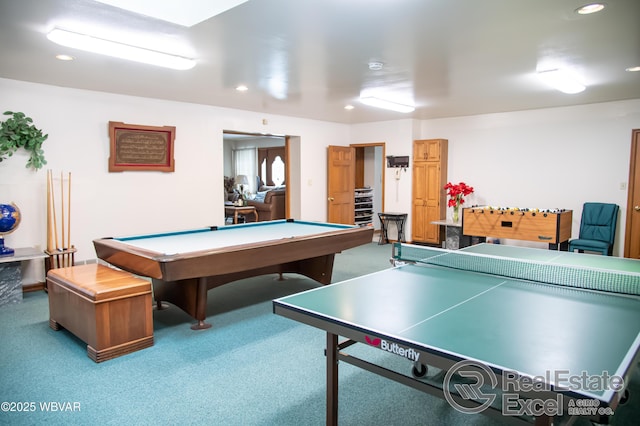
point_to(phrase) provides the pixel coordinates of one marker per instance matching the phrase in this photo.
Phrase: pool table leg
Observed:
(201, 305)
(201, 325)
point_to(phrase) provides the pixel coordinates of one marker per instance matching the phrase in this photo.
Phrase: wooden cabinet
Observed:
(429, 197)
(429, 150)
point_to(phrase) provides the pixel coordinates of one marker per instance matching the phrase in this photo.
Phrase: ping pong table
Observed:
(522, 333)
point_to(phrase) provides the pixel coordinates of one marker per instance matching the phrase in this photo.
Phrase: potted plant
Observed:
(18, 131)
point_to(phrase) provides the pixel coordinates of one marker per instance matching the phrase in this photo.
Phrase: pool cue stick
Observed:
(67, 262)
(49, 224)
(53, 209)
(62, 210)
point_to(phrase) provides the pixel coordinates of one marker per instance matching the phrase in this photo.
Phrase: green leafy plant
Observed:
(18, 131)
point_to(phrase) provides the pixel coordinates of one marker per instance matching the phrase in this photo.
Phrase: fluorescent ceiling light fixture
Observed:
(590, 8)
(184, 12)
(119, 50)
(633, 69)
(242, 88)
(561, 80)
(385, 104)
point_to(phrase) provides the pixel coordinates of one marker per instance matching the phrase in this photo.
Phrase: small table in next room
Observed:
(184, 265)
(385, 219)
(234, 211)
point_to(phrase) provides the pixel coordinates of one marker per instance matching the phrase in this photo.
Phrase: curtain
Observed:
(246, 163)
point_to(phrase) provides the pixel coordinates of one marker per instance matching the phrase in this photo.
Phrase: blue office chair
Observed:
(597, 229)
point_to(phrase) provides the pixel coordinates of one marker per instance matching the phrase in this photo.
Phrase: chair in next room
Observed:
(597, 229)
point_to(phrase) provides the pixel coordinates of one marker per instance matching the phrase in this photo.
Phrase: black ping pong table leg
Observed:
(543, 420)
(332, 379)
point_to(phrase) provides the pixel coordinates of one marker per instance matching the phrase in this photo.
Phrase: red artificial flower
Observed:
(456, 192)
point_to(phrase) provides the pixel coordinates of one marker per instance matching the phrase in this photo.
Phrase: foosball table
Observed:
(552, 226)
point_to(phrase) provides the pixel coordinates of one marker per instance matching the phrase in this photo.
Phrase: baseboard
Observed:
(29, 288)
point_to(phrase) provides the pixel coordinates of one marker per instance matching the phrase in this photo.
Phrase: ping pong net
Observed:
(530, 270)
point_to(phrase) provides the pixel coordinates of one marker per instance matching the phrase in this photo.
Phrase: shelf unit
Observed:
(364, 206)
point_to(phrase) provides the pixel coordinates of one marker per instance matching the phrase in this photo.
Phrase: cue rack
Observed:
(59, 248)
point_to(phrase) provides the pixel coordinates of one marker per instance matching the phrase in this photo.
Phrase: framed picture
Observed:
(141, 148)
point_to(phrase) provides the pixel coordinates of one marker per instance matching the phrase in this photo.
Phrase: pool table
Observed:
(185, 265)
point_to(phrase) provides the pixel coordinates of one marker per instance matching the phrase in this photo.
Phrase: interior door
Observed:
(267, 159)
(341, 184)
(632, 234)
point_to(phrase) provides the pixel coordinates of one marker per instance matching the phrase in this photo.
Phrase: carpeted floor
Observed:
(251, 368)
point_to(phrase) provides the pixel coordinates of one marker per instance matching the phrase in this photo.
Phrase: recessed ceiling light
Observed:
(562, 80)
(242, 88)
(65, 57)
(590, 8)
(633, 69)
(375, 66)
(123, 51)
(349, 107)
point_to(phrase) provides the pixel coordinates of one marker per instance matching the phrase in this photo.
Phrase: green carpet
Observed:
(251, 368)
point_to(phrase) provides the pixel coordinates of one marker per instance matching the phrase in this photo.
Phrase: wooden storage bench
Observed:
(108, 309)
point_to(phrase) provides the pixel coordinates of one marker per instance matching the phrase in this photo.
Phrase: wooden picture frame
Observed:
(135, 147)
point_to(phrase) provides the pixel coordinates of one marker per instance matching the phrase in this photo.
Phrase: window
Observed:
(272, 166)
(277, 171)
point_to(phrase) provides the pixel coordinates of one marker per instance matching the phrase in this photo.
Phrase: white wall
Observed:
(548, 158)
(557, 157)
(117, 204)
(398, 137)
(551, 158)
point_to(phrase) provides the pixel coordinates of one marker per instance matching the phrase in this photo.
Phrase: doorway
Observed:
(632, 228)
(266, 161)
(355, 172)
(370, 176)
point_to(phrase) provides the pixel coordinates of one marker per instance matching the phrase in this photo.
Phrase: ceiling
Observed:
(309, 58)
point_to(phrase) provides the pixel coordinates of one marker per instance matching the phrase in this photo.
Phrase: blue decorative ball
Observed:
(9, 218)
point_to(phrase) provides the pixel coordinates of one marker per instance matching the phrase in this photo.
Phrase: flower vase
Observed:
(456, 213)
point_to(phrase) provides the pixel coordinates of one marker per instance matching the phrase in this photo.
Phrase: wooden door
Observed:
(429, 198)
(268, 157)
(426, 202)
(427, 150)
(419, 207)
(433, 198)
(341, 184)
(632, 233)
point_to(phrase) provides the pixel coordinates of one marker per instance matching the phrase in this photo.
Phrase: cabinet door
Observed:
(427, 150)
(419, 207)
(426, 202)
(433, 192)
(429, 198)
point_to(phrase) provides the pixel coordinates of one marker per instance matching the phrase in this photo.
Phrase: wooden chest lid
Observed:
(99, 282)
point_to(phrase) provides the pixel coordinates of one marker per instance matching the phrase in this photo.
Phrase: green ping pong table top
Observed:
(444, 316)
